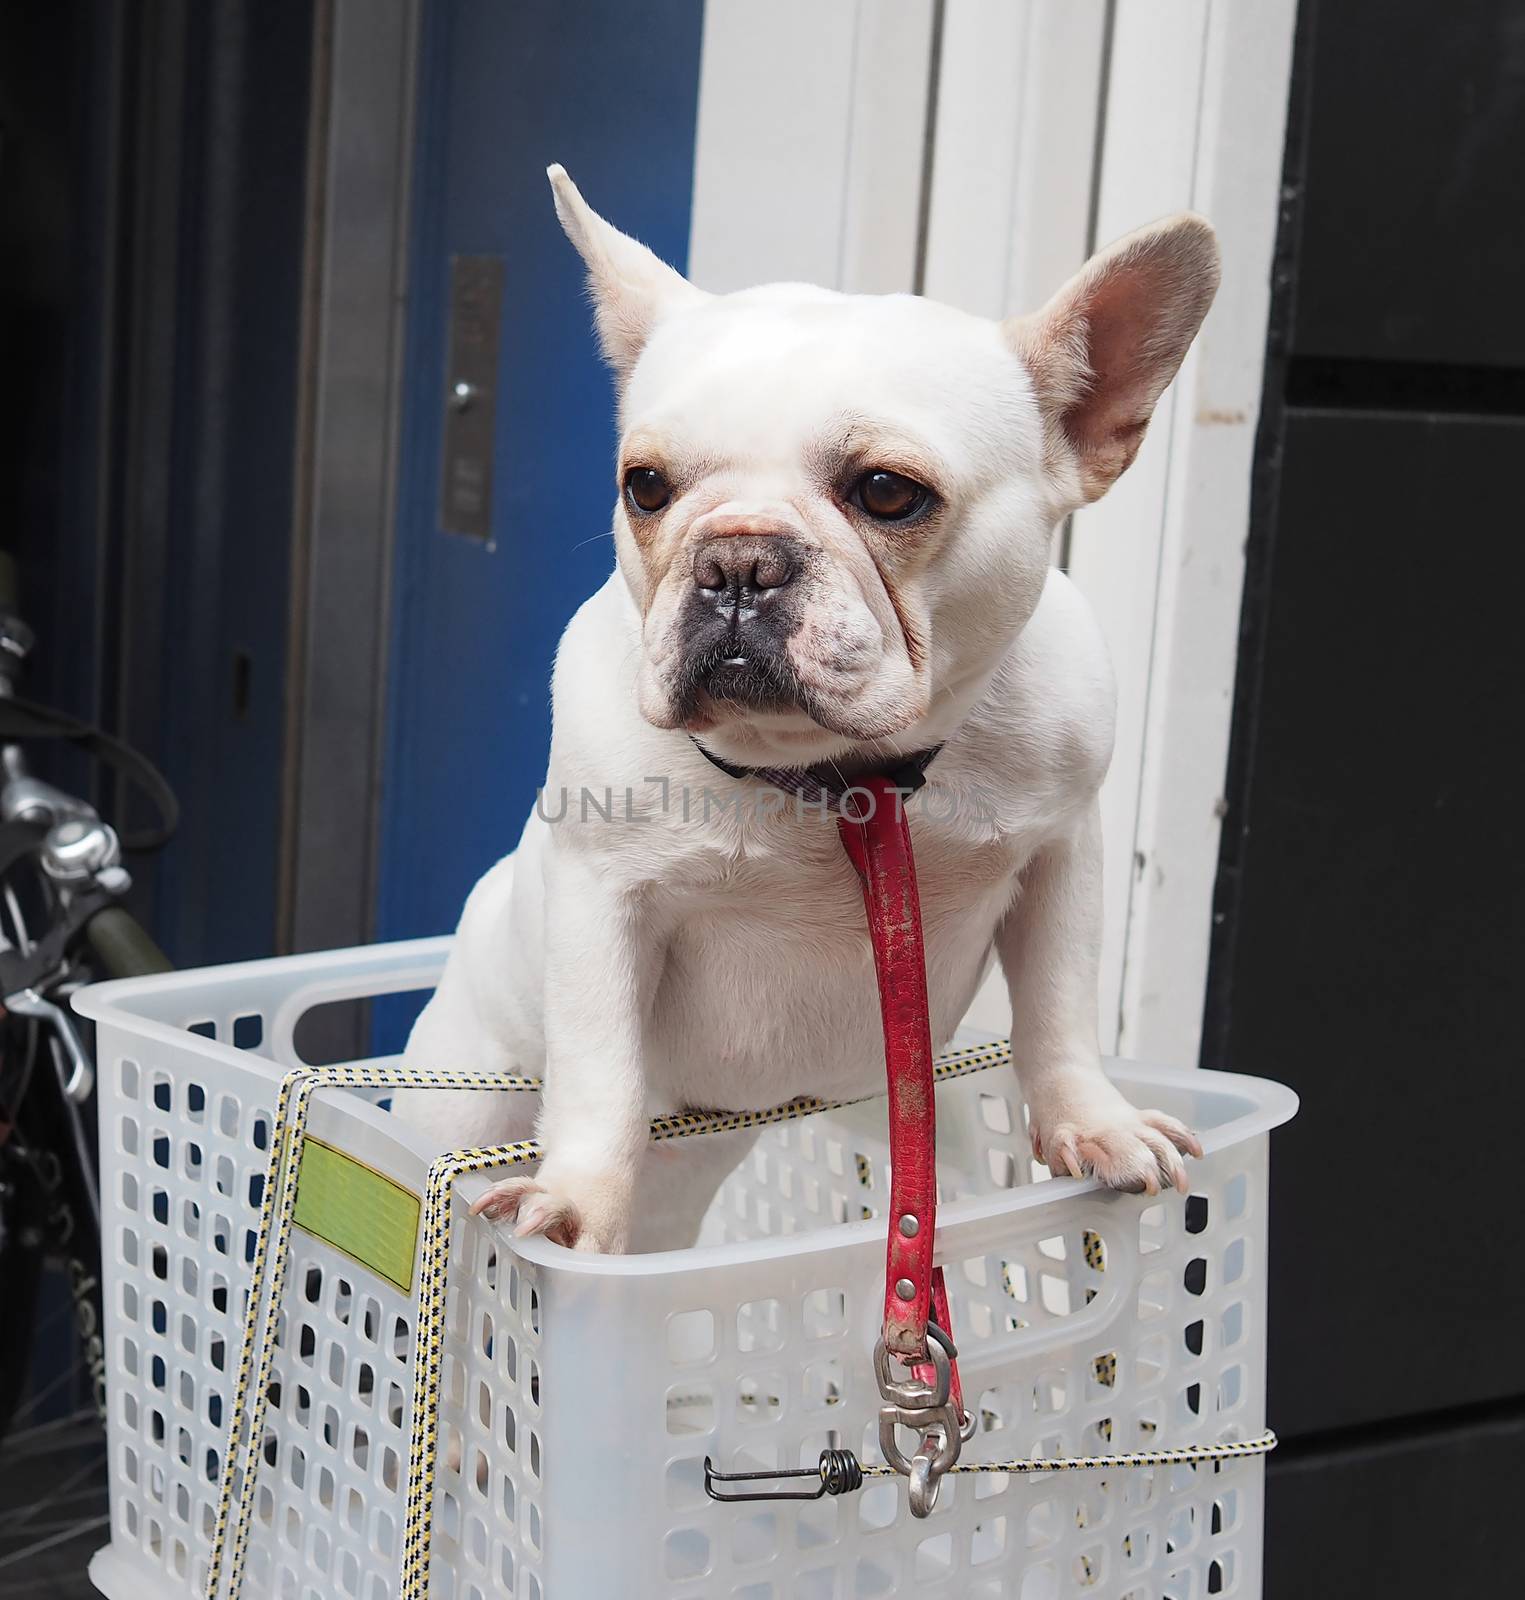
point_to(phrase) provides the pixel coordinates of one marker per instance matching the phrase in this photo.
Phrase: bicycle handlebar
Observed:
(122, 945)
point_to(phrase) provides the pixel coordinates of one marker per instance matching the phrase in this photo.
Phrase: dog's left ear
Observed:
(1103, 350)
(632, 290)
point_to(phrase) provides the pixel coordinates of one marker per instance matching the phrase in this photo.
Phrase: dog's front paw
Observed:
(580, 1221)
(1109, 1138)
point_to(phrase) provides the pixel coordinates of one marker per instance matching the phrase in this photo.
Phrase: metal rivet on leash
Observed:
(906, 1289)
(909, 1226)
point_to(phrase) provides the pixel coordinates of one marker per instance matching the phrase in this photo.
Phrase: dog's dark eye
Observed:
(646, 489)
(889, 496)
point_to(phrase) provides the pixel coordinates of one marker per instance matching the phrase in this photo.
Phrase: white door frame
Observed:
(978, 150)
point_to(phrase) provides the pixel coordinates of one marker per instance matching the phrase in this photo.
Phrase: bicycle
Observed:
(62, 924)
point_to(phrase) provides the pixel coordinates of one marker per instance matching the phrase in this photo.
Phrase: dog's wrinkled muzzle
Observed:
(737, 619)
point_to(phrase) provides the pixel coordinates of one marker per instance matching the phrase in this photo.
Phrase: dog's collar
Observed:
(820, 786)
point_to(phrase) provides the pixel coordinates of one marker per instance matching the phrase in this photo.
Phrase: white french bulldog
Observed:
(832, 535)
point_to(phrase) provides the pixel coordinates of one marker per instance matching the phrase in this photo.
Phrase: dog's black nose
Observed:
(743, 565)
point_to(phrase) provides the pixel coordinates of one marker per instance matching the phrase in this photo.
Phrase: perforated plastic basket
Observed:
(580, 1394)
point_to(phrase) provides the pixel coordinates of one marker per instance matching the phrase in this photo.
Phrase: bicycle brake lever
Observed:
(81, 1079)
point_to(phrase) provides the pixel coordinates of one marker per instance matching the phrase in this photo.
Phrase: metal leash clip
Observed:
(928, 1411)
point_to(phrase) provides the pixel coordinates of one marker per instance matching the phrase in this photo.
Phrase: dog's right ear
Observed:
(632, 290)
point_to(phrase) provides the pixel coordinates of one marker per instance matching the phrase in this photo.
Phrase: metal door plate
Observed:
(471, 378)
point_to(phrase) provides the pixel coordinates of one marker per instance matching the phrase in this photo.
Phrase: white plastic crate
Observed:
(581, 1394)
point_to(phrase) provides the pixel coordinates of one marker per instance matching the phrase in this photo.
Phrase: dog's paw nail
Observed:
(1063, 1160)
(549, 1211)
(545, 1213)
(1176, 1132)
(1139, 1152)
(534, 1216)
(503, 1200)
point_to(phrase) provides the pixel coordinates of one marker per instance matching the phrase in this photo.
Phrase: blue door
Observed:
(610, 90)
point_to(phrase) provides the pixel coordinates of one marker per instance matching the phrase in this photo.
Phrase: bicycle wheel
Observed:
(48, 1215)
(21, 1258)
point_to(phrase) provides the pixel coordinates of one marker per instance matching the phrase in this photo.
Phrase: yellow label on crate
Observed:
(359, 1211)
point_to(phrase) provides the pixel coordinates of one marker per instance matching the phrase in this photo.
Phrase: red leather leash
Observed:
(926, 1397)
(876, 835)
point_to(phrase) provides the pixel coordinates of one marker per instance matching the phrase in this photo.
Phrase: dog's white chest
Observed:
(767, 987)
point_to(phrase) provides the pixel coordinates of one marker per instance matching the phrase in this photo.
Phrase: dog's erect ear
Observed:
(1102, 351)
(632, 290)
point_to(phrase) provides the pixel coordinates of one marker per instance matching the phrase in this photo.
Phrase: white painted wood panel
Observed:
(1146, 170)
(881, 217)
(1184, 748)
(1015, 137)
(808, 154)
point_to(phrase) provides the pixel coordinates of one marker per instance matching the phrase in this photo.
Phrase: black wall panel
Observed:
(209, 378)
(1381, 908)
(1415, 1515)
(1369, 919)
(1413, 230)
(58, 159)
(153, 194)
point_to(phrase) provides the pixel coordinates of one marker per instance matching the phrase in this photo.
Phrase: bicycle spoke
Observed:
(24, 1411)
(54, 1524)
(57, 1493)
(28, 1551)
(64, 1311)
(46, 1436)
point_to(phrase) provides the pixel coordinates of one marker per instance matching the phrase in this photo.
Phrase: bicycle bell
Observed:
(79, 849)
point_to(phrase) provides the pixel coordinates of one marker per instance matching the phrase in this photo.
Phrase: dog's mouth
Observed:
(732, 674)
(736, 664)
(725, 682)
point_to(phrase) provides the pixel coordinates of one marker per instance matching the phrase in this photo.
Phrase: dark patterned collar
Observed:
(824, 785)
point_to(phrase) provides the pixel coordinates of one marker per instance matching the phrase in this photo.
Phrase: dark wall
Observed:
(153, 189)
(57, 115)
(210, 401)
(1371, 900)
